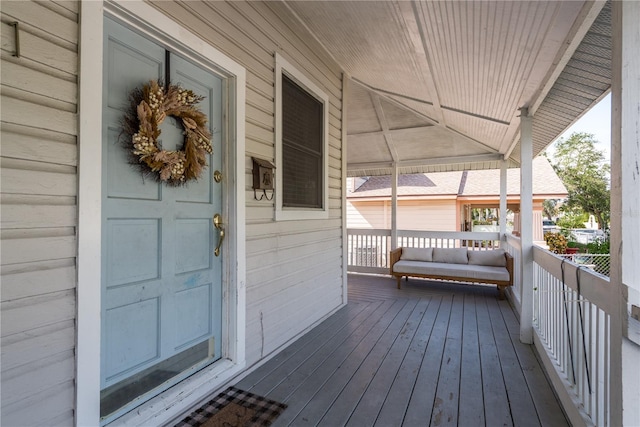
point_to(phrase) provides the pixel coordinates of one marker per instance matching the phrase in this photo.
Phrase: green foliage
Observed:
(557, 242)
(572, 219)
(550, 208)
(581, 246)
(585, 173)
(598, 246)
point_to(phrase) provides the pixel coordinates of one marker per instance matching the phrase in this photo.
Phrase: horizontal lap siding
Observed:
(294, 268)
(39, 212)
(368, 214)
(427, 215)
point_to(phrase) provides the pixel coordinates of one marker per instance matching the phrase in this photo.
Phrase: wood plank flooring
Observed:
(438, 354)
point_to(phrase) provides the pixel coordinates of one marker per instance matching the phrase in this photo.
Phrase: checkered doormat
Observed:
(237, 408)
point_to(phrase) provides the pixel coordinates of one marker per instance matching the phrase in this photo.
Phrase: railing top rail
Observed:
(593, 286)
(583, 254)
(464, 235)
(369, 231)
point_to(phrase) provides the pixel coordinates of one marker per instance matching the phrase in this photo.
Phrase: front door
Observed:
(161, 282)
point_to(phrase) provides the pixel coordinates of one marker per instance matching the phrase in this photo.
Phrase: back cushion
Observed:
(493, 258)
(417, 254)
(450, 255)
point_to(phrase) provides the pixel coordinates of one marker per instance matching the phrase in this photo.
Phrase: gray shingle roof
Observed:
(469, 183)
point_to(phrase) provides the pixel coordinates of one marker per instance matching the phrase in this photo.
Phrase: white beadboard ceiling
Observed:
(437, 85)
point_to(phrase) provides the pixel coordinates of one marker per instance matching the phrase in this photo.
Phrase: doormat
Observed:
(235, 408)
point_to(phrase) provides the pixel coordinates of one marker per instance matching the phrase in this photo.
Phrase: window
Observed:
(301, 146)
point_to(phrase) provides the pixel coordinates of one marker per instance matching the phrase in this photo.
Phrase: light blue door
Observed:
(161, 283)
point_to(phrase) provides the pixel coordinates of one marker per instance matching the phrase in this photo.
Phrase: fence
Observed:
(600, 263)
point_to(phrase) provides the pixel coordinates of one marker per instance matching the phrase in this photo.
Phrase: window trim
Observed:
(300, 213)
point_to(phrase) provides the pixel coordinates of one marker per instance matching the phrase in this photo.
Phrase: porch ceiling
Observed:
(438, 85)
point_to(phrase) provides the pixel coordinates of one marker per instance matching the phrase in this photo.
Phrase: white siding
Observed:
(374, 214)
(294, 268)
(426, 215)
(38, 196)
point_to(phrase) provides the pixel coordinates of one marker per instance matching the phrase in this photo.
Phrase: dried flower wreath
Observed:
(150, 105)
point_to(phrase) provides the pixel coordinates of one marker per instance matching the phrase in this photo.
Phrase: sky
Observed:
(598, 122)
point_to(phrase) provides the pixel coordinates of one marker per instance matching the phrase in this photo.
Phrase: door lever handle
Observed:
(217, 223)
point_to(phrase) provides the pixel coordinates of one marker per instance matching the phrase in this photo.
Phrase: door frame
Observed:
(159, 27)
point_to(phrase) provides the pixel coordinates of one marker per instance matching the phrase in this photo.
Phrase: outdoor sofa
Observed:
(493, 266)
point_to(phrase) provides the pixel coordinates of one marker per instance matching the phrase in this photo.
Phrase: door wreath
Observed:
(150, 105)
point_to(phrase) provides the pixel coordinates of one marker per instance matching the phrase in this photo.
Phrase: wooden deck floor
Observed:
(429, 354)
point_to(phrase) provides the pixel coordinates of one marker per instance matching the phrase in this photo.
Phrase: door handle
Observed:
(217, 223)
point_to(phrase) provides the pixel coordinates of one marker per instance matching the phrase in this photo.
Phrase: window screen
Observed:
(302, 146)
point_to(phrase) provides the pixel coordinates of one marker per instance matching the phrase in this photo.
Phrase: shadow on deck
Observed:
(429, 354)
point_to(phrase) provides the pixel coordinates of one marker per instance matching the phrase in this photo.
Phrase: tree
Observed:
(585, 173)
(550, 208)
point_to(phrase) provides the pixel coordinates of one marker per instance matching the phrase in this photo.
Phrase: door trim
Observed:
(161, 28)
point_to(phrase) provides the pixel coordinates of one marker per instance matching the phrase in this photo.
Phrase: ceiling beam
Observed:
(478, 158)
(394, 132)
(377, 105)
(477, 116)
(416, 34)
(389, 97)
(387, 92)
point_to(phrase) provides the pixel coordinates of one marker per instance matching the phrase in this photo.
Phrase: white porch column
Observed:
(526, 226)
(537, 233)
(625, 213)
(503, 200)
(394, 207)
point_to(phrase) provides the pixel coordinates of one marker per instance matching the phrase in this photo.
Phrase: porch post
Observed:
(526, 226)
(625, 213)
(394, 207)
(503, 200)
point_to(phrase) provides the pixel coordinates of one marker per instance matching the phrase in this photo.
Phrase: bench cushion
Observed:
(468, 271)
(417, 254)
(494, 258)
(450, 255)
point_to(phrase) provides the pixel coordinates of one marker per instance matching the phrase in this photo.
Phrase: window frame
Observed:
(284, 213)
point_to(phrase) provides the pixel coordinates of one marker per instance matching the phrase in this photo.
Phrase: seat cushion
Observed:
(468, 271)
(417, 254)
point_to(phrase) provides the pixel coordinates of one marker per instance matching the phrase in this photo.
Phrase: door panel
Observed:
(132, 252)
(162, 286)
(192, 244)
(132, 323)
(123, 180)
(194, 314)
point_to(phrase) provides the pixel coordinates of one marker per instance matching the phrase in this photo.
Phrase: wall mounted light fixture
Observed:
(263, 178)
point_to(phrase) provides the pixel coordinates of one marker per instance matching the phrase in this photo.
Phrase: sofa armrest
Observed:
(394, 256)
(509, 266)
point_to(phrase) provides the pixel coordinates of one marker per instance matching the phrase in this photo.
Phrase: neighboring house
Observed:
(128, 301)
(442, 201)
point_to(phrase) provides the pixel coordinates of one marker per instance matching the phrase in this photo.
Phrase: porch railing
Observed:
(368, 249)
(572, 324)
(513, 246)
